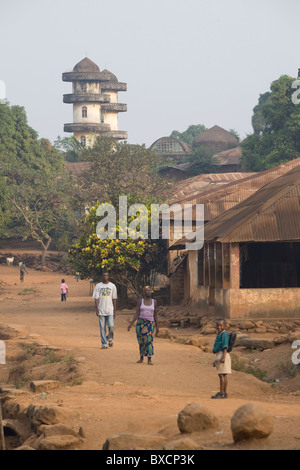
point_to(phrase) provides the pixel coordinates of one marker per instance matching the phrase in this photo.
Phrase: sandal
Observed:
(218, 395)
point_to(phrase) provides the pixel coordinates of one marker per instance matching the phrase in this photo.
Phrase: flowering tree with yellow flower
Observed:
(131, 262)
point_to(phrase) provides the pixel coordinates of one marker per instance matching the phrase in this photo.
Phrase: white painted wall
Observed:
(93, 113)
(112, 120)
(113, 96)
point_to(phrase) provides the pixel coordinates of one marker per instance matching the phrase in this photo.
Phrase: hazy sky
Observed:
(184, 62)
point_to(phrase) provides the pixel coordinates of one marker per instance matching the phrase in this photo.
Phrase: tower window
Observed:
(102, 118)
(84, 111)
(84, 88)
(83, 140)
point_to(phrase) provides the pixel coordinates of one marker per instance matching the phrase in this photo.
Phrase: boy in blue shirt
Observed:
(222, 361)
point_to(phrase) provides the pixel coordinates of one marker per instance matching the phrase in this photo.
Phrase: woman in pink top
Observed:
(63, 290)
(146, 316)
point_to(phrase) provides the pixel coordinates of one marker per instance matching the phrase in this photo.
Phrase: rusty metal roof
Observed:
(229, 157)
(271, 214)
(218, 200)
(192, 187)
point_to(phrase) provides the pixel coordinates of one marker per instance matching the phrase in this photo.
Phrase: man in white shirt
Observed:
(105, 295)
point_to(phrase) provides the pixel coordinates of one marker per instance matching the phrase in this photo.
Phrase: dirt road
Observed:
(114, 393)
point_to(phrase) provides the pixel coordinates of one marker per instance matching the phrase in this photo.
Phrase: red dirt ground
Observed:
(114, 394)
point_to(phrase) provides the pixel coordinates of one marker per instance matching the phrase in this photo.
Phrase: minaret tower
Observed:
(95, 102)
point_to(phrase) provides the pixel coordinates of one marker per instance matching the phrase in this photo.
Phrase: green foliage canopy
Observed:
(37, 190)
(190, 134)
(121, 169)
(131, 262)
(276, 124)
(202, 161)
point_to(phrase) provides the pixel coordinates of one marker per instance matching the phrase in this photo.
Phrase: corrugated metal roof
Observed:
(192, 187)
(218, 200)
(229, 157)
(271, 214)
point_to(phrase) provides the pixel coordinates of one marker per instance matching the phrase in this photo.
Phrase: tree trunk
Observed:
(44, 251)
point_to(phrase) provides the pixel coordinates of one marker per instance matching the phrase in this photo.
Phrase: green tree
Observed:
(258, 120)
(72, 149)
(39, 206)
(202, 161)
(120, 169)
(235, 133)
(4, 207)
(131, 262)
(37, 189)
(276, 124)
(190, 134)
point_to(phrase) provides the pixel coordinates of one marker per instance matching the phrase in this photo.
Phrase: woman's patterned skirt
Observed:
(144, 333)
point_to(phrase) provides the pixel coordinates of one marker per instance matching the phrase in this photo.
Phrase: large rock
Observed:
(57, 430)
(256, 343)
(239, 337)
(11, 409)
(16, 428)
(185, 443)
(294, 336)
(42, 386)
(251, 421)
(198, 340)
(6, 332)
(133, 442)
(55, 437)
(39, 415)
(166, 333)
(195, 417)
(246, 325)
(209, 330)
(57, 442)
(260, 329)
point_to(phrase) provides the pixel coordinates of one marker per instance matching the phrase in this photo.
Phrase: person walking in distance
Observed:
(105, 295)
(23, 270)
(146, 316)
(63, 290)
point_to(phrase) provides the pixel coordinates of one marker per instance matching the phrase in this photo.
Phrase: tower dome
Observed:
(86, 65)
(108, 76)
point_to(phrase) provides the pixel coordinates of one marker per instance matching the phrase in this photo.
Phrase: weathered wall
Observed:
(279, 302)
(250, 303)
(236, 302)
(113, 96)
(93, 113)
(91, 87)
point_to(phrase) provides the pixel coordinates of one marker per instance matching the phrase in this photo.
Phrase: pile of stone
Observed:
(38, 427)
(197, 340)
(176, 316)
(256, 334)
(250, 421)
(249, 335)
(183, 316)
